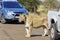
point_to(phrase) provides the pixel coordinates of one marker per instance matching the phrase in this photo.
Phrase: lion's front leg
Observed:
(28, 31)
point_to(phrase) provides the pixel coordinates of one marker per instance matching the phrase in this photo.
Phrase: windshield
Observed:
(11, 5)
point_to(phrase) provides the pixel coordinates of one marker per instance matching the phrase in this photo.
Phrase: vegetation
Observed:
(42, 10)
(31, 5)
(50, 4)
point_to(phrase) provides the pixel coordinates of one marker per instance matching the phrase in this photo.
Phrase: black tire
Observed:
(53, 32)
(3, 20)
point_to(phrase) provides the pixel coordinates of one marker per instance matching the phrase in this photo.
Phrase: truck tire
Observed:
(53, 32)
(3, 21)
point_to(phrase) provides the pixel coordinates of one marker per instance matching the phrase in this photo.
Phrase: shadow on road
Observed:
(36, 35)
(15, 22)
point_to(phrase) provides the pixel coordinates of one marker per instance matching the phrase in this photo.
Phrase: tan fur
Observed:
(22, 17)
(35, 21)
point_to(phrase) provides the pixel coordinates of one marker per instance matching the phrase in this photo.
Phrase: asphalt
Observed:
(16, 31)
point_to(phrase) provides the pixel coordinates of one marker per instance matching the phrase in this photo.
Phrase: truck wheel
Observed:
(3, 21)
(53, 32)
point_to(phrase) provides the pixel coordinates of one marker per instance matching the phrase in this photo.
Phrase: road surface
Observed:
(17, 32)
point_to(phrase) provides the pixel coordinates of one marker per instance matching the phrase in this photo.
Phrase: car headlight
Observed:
(10, 12)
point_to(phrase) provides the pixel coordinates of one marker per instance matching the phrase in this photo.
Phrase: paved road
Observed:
(17, 32)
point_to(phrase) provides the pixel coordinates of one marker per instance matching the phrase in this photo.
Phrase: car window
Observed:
(12, 5)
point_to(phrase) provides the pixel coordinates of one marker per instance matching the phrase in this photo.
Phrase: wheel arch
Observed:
(53, 21)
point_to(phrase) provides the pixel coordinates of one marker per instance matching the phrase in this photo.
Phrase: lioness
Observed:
(35, 21)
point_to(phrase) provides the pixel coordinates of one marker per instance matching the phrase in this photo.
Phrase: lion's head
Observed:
(22, 17)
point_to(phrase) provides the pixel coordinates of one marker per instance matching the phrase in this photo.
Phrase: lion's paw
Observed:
(27, 36)
(43, 35)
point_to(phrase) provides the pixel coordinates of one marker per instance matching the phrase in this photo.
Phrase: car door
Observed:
(58, 21)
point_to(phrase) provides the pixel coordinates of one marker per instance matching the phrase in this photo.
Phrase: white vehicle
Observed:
(54, 23)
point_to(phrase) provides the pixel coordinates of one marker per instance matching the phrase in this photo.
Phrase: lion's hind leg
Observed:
(45, 31)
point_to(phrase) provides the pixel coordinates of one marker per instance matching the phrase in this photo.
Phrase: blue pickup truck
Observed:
(10, 10)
